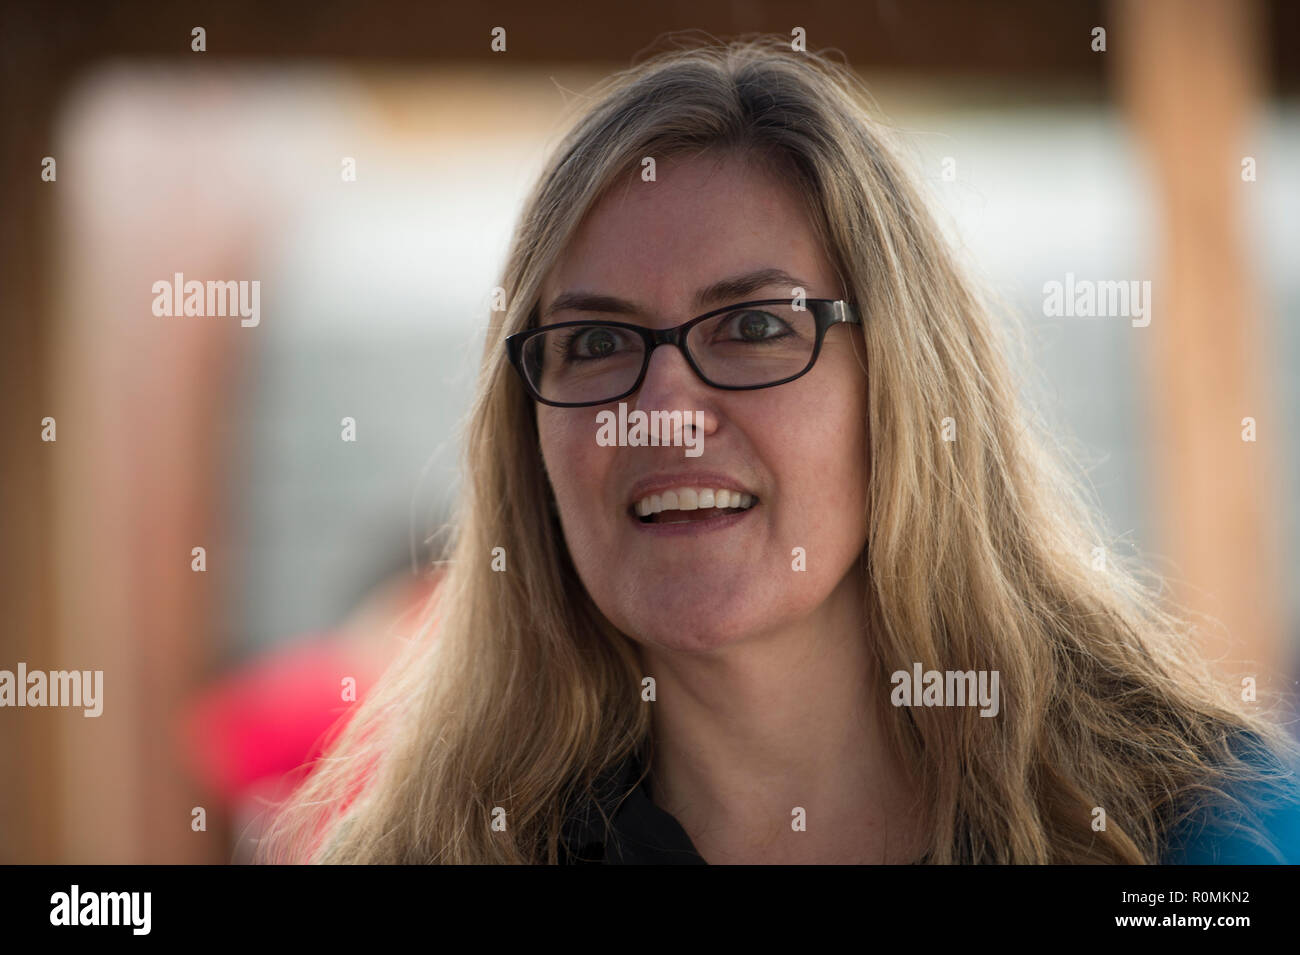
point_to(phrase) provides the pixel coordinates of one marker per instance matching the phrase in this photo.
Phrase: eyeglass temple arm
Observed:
(845, 314)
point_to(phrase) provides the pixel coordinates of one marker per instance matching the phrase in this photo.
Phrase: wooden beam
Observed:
(1189, 74)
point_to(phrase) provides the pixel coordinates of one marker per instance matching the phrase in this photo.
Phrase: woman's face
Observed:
(800, 448)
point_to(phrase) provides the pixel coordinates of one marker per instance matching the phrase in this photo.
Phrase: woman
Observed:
(644, 654)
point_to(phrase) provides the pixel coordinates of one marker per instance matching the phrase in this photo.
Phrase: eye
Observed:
(593, 343)
(590, 343)
(752, 325)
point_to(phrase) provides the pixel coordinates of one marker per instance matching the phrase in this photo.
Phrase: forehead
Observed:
(702, 218)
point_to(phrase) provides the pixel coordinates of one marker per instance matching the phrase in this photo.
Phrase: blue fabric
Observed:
(1220, 837)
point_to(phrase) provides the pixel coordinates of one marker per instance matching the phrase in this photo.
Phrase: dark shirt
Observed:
(640, 833)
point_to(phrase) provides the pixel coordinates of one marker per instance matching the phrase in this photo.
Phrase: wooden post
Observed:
(1189, 78)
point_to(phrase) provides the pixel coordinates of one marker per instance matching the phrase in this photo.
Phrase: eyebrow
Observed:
(729, 289)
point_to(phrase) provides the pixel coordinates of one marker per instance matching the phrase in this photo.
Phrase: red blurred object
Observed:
(268, 719)
(246, 732)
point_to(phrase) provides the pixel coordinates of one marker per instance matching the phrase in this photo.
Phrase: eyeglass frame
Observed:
(840, 312)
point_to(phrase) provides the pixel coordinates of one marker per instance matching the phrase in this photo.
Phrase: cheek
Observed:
(845, 470)
(839, 423)
(817, 440)
(569, 449)
(819, 456)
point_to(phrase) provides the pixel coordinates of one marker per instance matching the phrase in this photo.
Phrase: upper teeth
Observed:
(691, 499)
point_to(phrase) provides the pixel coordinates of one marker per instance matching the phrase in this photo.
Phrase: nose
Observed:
(671, 384)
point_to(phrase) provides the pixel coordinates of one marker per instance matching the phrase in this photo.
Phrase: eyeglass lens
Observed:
(755, 345)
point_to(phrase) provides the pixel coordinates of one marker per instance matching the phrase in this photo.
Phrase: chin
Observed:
(691, 628)
(687, 640)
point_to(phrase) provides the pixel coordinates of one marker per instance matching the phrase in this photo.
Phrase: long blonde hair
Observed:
(521, 694)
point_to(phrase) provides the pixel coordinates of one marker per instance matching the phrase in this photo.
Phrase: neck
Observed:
(782, 720)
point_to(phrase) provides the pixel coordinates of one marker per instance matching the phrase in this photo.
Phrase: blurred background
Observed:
(1042, 153)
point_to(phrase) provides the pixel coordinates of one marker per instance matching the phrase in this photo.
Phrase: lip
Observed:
(667, 480)
(692, 528)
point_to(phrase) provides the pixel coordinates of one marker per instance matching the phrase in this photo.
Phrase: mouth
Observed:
(691, 505)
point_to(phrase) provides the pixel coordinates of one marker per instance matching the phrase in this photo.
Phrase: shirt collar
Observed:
(638, 831)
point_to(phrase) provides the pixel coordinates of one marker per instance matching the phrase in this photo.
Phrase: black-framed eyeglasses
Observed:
(739, 347)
